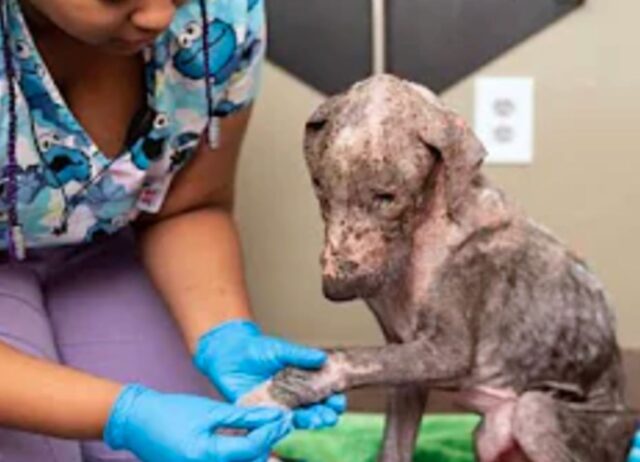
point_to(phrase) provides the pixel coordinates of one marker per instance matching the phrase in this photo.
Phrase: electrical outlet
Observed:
(504, 116)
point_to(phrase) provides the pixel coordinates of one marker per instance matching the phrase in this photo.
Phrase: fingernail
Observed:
(341, 400)
(319, 355)
(301, 421)
(331, 419)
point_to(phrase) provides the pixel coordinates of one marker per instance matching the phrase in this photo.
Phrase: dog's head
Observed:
(372, 153)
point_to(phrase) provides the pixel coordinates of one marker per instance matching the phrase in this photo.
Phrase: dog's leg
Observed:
(419, 362)
(494, 440)
(405, 407)
(550, 430)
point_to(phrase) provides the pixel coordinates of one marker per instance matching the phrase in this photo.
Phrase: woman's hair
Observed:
(8, 174)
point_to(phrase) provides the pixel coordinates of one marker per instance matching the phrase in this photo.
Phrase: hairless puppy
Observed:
(472, 296)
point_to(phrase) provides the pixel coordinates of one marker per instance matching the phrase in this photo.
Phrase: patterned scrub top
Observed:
(65, 190)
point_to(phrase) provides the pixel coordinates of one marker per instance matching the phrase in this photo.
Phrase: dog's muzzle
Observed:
(346, 289)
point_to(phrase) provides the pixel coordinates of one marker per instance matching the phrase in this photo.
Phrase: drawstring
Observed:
(207, 71)
(14, 237)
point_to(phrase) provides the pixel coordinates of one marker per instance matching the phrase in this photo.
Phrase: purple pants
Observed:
(92, 308)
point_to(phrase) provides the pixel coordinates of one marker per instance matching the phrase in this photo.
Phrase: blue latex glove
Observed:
(237, 358)
(159, 427)
(634, 455)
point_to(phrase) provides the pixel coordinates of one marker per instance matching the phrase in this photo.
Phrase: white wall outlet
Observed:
(504, 118)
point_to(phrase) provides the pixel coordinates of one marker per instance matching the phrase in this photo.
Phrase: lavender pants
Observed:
(92, 308)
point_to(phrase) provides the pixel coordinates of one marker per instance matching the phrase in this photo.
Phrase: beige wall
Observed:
(583, 184)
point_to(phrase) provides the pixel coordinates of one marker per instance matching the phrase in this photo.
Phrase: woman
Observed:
(120, 268)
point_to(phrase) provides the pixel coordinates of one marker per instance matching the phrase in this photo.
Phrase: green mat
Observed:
(442, 438)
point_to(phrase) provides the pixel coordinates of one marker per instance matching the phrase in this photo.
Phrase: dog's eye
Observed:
(316, 183)
(435, 152)
(384, 197)
(316, 125)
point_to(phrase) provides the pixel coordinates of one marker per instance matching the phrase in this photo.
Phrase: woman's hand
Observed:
(237, 358)
(159, 427)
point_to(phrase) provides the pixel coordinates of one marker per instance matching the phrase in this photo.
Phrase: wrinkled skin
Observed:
(472, 296)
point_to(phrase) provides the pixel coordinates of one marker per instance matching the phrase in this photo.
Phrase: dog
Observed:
(472, 296)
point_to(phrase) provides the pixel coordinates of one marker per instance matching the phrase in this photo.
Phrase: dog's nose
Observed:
(338, 290)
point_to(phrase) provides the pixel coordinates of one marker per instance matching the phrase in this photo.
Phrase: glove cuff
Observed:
(114, 434)
(235, 328)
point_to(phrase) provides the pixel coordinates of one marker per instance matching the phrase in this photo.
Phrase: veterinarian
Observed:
(122, 295)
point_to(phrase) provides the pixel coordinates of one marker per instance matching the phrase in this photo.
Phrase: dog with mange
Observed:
(472, 296)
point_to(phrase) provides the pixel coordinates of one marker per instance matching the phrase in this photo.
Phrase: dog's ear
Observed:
(462, 157)
(315, 128)
(449, 137)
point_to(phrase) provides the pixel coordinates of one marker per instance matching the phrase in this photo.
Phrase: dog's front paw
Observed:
(293, 387)
(261, 396)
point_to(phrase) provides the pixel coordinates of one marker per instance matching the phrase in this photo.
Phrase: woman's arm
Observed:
(192, 252)
(43, 397)
(191, 249)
